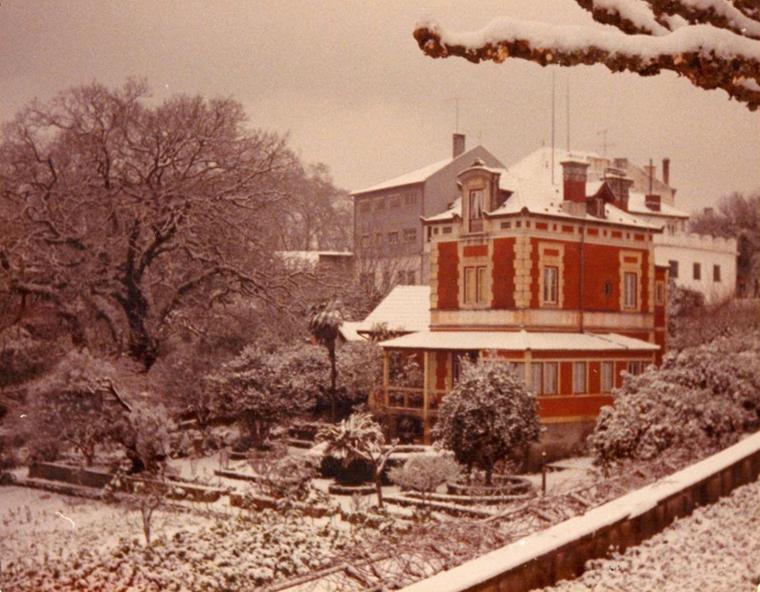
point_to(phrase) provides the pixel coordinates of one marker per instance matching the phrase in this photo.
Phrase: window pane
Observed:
(607, 377)
(716, 273)
(536, 377)
(518, 369)
(673, 268)
(551, 287)
(630, 281)
(579, 377)
(697, 271)
(481, 289)
(550, 378)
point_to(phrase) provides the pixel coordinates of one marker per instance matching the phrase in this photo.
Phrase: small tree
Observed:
(425, 473)
(487, 417)
(358, 438)
(255, 389)
(76, 404)
(324, 324)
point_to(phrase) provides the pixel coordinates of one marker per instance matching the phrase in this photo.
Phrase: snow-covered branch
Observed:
(717, 48)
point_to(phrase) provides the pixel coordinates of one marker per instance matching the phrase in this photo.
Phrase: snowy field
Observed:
(716, 549)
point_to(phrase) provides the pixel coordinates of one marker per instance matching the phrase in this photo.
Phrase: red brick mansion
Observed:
(558, 279)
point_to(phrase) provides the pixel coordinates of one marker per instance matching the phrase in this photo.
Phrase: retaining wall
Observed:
(560, 552)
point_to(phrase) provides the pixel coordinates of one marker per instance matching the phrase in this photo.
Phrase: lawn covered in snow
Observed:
(715, 549)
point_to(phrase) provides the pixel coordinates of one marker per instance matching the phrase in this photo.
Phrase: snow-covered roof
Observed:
(348, 331)
(405, 308)
(518, 341)
(415, 176)
(532, 189)
(637, 205)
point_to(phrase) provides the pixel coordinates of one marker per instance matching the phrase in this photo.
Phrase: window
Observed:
(365, 241)
(475, 284)
(579, 377)
(635, 368)
(697, 271)
(716, 273)
(378, 238)
(393, 238)
(395, 200)
(659, 293)
(410, 199)
(551, 285)
(608, 376)
(410, 278)
(673, 269)
(607, 288)
(446, 230)
(410, 235)
(380, 204)
(364, 207)
(630, 283)
(457, 365)
(506, 225)
(536, 370)
(550, 378)
(518, 370)
(476, 203)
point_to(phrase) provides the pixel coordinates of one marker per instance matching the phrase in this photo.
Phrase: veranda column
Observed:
(386, 373)
(425, 397)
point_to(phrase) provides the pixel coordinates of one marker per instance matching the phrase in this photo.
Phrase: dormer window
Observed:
(476, 207)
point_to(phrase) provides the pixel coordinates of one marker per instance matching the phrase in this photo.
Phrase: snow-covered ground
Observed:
(716, 549)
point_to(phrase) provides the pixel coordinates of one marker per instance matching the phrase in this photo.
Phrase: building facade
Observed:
(388, 237)
(559, 282)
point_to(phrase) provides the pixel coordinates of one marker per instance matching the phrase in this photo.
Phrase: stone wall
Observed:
(561, 552)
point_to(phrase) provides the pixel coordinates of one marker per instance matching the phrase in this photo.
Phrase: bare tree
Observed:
(715, 43)
(125, 214)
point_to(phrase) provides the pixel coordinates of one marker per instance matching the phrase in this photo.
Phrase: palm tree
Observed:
(324, 323)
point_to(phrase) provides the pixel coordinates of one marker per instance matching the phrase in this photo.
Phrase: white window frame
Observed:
(631, 290)
(551, 378)
(537, 377)
(550, 293)
(476, 205)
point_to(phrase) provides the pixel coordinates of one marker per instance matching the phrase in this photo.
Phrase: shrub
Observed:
(425, 473)
(487, 417)
(701, 397)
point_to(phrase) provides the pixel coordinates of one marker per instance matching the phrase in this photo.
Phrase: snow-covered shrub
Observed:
(699, 398)
(358, 439)
(425, 473)
(487, 417)
(259, 388)
(286, 477)
(74, 405)
(144, 434)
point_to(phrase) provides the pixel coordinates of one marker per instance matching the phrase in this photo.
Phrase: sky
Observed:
(346, 81)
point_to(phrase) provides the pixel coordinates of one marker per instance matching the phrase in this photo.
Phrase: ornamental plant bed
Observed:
(503, 486)
(342, 489)
(452, 509)
(98, 479)
(258, 502)
(471, 500)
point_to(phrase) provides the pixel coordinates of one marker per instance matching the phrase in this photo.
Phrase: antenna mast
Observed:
(567, 106)
(553, 117)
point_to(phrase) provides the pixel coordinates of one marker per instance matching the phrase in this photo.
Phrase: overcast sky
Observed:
(348, 83)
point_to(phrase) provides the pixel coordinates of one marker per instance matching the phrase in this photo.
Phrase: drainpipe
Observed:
(580, 281)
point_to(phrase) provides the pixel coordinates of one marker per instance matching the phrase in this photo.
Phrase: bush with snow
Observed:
(699, 398)
(488, 416)
(425, 473)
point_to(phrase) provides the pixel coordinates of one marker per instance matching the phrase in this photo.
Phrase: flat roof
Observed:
(518, 341)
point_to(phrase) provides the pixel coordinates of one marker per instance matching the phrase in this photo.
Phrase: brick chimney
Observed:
(620, 186)
(666, 171)
(574, 181)
(457, 145)
(653, 202)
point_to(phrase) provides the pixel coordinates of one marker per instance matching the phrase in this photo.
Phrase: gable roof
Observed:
(404, 309)
(422, 174)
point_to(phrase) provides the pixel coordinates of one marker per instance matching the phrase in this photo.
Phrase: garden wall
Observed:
(560, 552)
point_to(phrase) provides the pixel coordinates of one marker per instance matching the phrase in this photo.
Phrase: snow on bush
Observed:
(237, 554)
(425, 473)
(716, 549)
(699, 398)
(487, 417)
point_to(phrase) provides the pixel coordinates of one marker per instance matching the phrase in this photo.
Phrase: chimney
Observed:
(620, 185)
(457, 141)
(620, 163)
(574, 181)
(666, 171)
(651, 172)
(652, 202)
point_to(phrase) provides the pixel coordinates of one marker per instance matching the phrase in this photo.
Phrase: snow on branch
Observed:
(649, 37)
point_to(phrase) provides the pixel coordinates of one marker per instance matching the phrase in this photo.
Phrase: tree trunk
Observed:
(379, 487)
(489, 475)
(333, 381)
